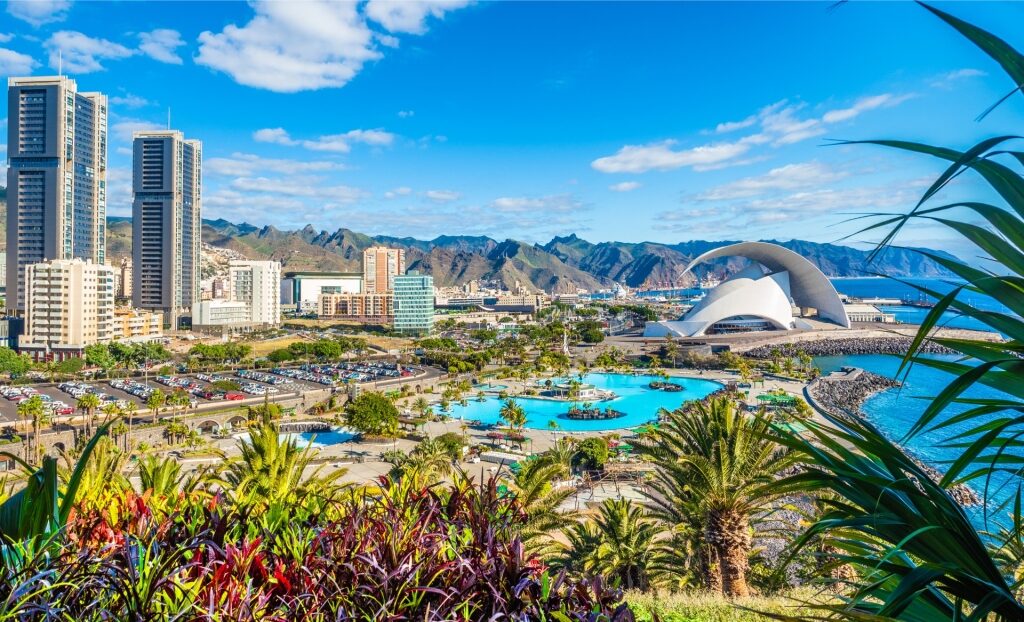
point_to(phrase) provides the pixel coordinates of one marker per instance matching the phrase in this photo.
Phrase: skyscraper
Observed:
(166, 222)
(56, 182)
(380, 266)
(414, 303)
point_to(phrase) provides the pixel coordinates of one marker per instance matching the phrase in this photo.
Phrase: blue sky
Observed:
(617, 121)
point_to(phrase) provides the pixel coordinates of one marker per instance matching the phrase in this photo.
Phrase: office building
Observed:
(57, 176)
(3, 271)
(222, 317)
(380, 267)
(414, 303)
(257, 283)
(300, 291)
(166, 222)
(69, 304)
(367, 308)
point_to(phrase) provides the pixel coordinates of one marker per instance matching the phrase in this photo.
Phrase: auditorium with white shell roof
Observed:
(779, 290)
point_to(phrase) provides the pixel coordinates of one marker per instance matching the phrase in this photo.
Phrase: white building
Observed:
(301, 290)
(220, 315)
(257, 283)
(69, 304)
(780, 290)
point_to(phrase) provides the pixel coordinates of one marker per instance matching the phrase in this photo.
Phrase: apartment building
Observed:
(138, 325)
(380, 267)
(166, 222)
(69, 304)
(57, 176)
(258, 284)
(368, 308)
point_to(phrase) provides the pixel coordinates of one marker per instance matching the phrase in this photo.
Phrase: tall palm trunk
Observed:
(712, 569)
(728, 533)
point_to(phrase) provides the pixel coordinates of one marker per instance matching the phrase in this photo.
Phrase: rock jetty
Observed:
(843, 393)
(895, 345)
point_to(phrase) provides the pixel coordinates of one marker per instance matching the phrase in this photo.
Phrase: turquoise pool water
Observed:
(315, 440)
(490, 387)
(639, 403)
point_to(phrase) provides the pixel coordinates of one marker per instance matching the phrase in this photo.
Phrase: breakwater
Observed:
(843, 393)
(895, 345)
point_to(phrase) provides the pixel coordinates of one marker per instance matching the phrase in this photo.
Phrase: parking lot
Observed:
(62, 398)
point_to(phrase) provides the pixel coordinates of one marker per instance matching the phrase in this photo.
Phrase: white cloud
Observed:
(39, 12)
(405, 16)
(778, 124)
(340, 143)
(129, 100)
(885, 100)
(297, 46)
(732, 126)
(119, 191)
(81, 53)
(277, 135)
(662, 157)
(624, 186)
(308, 187)
(442, 196)
(15, 64)
(123, 128)
(788, 177)
(248, 165)
(557, 203)
(4, 37)
(398, 192)
(948, 80)
(406, 113)
(161, 44)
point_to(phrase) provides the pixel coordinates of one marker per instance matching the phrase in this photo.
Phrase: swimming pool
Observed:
(490, 387)
(639, 403)
(316, 440)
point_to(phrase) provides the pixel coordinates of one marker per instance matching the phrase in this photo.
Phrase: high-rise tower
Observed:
(380, 266)
(166, 222)
(57, 178)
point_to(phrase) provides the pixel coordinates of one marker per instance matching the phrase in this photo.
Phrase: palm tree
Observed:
(155, 402)
(129, 410)
(513, 414)
(718, 462)
(421, 405)
(160, 476)
(87, 405)
(540, 500)
(269, 471)
(33, 409)
(618, 543)
(428, 463)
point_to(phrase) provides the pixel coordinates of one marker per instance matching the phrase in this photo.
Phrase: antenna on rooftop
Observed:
(168, 117)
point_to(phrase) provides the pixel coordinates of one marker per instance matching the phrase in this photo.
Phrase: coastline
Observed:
(842, 394)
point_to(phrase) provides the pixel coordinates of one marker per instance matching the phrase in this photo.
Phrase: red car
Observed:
(234, 396)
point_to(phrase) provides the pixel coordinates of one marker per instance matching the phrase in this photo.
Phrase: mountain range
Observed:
(561, 265)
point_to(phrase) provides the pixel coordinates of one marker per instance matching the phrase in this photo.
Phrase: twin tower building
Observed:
(57, 195)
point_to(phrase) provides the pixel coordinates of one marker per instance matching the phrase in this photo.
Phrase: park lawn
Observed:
(266, 346)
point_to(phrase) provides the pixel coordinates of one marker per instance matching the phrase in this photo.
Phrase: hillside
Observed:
(561, 265)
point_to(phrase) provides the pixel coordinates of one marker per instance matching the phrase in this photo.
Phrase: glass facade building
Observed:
(414, 303)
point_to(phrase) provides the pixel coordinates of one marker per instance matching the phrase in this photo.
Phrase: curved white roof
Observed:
(752, 293)
(808, 286)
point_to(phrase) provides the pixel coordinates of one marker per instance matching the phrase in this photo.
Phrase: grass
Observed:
(265, 347)
(704, 607)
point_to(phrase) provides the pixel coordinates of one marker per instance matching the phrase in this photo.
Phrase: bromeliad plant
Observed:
(397, 550)
(917, 553)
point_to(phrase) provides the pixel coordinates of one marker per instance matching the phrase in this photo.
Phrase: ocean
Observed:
(875, 287)
(894, 411)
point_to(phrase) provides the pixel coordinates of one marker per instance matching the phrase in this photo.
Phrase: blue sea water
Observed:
(639, 403)
(890, 288)
(894, 412)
